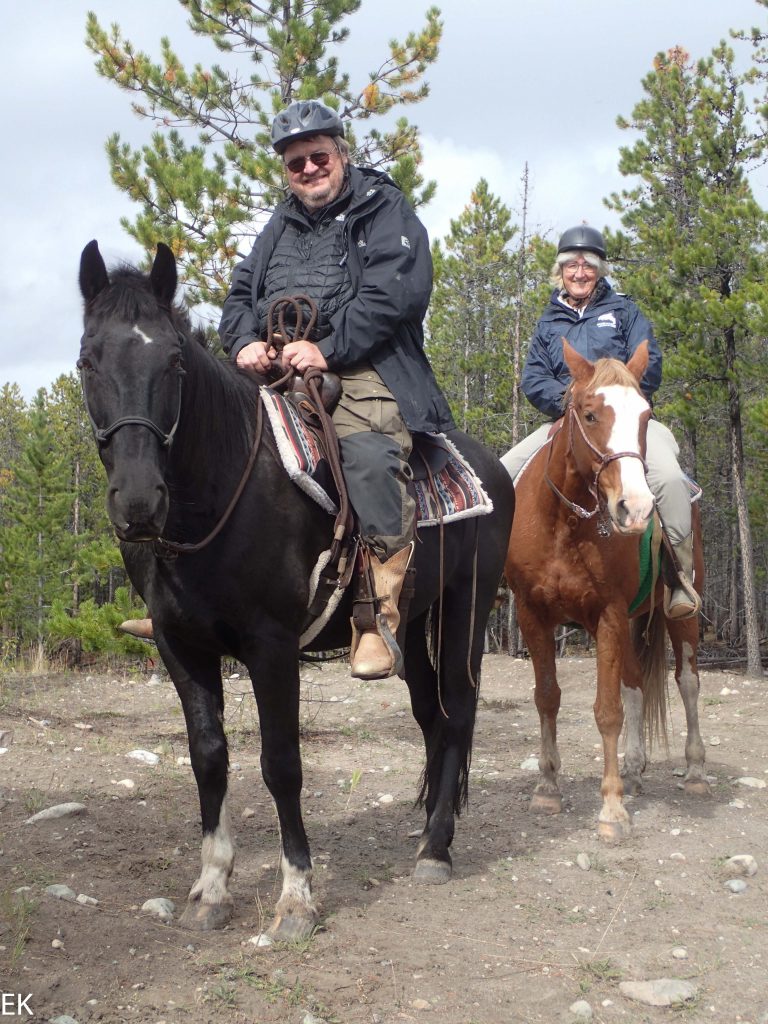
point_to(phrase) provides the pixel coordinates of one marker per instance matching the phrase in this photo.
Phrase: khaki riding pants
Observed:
(375, 444)
(666, 479)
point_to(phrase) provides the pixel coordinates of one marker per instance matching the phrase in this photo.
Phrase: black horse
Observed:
(175, 428)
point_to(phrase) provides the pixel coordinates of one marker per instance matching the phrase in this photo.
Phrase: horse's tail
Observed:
(435, 639)
(649, 641)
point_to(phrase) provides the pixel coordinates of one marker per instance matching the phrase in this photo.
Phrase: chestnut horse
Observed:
(568, 564)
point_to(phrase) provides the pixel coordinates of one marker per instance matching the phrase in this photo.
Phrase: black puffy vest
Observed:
(309, 259)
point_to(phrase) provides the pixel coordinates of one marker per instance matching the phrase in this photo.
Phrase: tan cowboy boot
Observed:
(683, 602)
(375, 654)
(141, 628)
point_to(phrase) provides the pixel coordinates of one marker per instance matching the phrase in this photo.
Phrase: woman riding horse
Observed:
(598, 322)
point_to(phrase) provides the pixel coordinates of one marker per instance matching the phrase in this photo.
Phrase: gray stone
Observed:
(63, 1019)
(145, 756)
(741, 864)
(581, 1010)
(582, 859)
(61, 892)
(57, 811)
(736, 885)
(659, 992)
(160, 907)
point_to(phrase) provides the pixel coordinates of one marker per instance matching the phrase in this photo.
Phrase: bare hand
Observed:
(302, 356)
(256, 357)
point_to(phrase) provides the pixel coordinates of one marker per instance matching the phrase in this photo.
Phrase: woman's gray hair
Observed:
(556, 276)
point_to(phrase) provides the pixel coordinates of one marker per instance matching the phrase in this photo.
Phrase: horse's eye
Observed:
(84, 364)
(590, 417)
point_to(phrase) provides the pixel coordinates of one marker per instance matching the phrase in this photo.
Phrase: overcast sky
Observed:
(536, 81)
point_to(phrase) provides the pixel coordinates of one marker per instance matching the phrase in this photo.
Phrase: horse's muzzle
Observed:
(138, 518)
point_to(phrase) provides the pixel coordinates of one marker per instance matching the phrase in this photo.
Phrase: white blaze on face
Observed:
(144, 337)
(628, 406)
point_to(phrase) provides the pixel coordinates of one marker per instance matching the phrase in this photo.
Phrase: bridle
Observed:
(103, 434)
(604, 459)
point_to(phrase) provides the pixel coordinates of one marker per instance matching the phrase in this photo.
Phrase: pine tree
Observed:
(482, 299)
(36, 554)
(694, 260)
(204, 197)
(13, 417)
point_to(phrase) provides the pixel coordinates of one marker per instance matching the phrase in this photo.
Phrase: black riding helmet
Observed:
(582, 238)
(303, 119)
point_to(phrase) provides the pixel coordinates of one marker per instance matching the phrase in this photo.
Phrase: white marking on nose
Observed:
(144, 337)
(628, 406)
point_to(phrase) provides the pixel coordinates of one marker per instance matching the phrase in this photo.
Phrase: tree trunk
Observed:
(754, 665)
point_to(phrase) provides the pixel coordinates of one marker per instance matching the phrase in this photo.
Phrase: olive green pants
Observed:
(375, 443)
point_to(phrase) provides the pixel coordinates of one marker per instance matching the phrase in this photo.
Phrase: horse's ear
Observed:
(163, 275)
(581, 368)
(93, 272)
(639, 361)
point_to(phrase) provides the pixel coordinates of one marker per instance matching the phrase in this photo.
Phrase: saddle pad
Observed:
(460, 495)
(457, 492)
(299, 448)
(648, 571)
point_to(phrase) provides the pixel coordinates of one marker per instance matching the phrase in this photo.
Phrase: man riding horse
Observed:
(600, 322)
(347, 238)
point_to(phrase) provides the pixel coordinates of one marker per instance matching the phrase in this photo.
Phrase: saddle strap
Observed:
(313, 381)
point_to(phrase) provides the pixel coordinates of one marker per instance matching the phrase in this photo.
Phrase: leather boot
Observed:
(375, 653)
(141, 628)
(682, 601)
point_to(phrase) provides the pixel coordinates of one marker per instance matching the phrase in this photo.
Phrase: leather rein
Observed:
(605, 458)
(313, 381)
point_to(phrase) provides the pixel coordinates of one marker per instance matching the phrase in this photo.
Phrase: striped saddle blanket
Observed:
(445, 487)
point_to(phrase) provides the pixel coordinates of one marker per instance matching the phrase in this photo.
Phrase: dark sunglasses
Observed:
(319, 159)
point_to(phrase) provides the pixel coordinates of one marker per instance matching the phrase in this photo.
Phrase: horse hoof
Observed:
(432, 872)
(294, 926)
(613, 831)
(206, 917)
(546, 803)
(697, 787)
(632, 786)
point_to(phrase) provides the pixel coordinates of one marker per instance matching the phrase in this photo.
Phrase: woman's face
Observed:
(579, 278)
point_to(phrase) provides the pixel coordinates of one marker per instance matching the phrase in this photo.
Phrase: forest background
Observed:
(691, 250)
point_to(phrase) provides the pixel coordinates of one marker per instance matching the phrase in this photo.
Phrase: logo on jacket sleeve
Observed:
(607, 320)
(405, 241)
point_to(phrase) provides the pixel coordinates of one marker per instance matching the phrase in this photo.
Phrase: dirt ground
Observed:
(519, 934)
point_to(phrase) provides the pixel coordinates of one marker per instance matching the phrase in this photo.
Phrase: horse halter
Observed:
(605, 458)
(103, 434)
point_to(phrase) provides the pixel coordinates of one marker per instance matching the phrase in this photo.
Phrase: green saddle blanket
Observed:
(649, 572)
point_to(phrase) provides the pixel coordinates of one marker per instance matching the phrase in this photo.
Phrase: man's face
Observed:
(316, 186)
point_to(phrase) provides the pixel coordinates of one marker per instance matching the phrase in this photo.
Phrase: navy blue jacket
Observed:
(611, 326)
(390, 266)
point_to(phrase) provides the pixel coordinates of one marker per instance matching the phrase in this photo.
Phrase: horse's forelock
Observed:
(612, 371)
(130, 297)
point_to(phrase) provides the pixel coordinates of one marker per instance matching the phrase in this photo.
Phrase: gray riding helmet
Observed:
(303, 119)
(582, 238)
